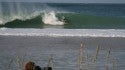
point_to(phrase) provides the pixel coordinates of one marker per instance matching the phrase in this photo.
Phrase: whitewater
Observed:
(50, 18)
(62, 32)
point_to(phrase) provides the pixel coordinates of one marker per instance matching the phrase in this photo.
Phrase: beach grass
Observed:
(90, 62)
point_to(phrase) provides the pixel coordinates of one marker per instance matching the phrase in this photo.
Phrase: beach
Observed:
(65, 51)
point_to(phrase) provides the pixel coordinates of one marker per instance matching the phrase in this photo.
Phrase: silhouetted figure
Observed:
(47, 68)
(37, 68)
(29, 65)
(63, 19)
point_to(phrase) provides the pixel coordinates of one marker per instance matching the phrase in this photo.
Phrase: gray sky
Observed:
(68, 1)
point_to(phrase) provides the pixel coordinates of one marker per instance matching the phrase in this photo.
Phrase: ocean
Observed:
(79, 16)
(33, 31)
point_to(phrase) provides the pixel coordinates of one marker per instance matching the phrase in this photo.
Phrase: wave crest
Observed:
(22, 17)
(50, 18)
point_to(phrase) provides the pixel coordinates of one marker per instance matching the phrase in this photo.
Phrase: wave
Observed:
(23, 17)
(10, 11)
(62, 32)
(79, 16)
(74, 21)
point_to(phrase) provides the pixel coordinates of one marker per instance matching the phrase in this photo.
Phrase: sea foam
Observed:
(62, 32)
(50, 18)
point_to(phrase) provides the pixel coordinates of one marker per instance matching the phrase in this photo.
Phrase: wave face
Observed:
(79, 16)
(10, 11)
(63, 32)
(74, 21)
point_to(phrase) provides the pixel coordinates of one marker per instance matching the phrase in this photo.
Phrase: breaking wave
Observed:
(10, 11)
(73, 21)
(50, 18)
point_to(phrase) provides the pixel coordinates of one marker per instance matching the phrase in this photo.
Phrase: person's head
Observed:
(29, 65)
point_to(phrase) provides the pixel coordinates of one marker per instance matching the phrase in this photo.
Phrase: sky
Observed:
(67, 1)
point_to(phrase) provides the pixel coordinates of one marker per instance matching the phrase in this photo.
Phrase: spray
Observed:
(50, 18)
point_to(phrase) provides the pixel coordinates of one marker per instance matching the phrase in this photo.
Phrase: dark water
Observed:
(79, 16)
(65, 51)
(75, 21)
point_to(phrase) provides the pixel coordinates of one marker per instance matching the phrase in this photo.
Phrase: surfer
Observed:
(63, 19)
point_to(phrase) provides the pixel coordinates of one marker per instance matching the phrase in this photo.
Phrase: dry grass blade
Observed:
(50, 62)
(80, 60)
(9, 65)
(87, 59)
(108, 53)
(96, 54)
(19, 62)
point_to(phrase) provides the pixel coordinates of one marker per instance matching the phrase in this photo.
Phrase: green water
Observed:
(74, 21)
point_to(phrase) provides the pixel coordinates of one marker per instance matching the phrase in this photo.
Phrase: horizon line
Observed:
(68, 2)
